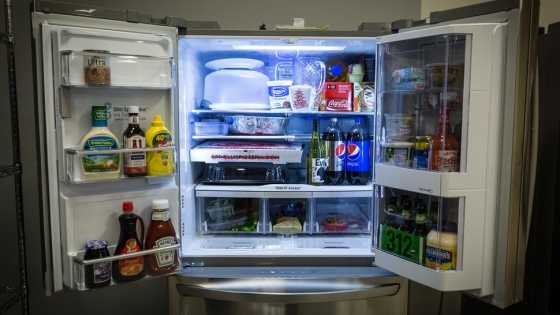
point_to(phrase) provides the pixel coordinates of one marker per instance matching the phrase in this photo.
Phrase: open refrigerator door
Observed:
(440, 125)
(112, 146)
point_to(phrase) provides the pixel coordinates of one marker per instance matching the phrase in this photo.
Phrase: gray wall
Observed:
(249, 14)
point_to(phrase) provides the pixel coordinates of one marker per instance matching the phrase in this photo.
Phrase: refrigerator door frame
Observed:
(482, 194)
(52, 232)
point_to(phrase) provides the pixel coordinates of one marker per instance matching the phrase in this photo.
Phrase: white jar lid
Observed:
(160, 204)
(133, 110)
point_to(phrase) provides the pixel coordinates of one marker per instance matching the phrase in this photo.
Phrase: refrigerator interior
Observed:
(135, 69)
(235, 209)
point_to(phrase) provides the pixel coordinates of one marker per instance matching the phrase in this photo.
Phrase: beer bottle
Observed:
(421, 227)
(317, 160)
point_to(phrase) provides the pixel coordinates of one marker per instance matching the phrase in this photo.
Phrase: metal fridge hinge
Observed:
(9, 170)
(7, 38)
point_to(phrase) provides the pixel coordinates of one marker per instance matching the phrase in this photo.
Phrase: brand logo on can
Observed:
(354, 152)
(340, 150)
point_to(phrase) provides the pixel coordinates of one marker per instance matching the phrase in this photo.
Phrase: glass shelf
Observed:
(281, 113)
(288, 138)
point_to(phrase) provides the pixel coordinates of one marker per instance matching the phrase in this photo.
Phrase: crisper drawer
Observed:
(275, 222)
(225, 215)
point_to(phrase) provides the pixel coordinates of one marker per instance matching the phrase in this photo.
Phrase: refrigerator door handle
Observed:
(287, 291)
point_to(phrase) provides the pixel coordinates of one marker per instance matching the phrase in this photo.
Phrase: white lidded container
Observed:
(236, 84)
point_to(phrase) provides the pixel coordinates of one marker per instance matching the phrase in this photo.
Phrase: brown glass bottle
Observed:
(131, 268)
(161, 234)
(134, 138)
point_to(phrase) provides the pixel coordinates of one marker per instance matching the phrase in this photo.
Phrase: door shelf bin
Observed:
(80, 265)
(74, 167)
(421, 229)
(131, 71)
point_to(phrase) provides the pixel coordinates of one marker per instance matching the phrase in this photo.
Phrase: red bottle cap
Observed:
(127, 206)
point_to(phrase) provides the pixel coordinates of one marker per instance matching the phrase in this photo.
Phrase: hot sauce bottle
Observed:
(131, 268)
(161, 234)
(445, 146)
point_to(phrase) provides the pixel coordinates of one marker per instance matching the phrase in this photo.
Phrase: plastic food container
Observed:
(210, 128)
(398, 153)
(236, 85)
(256, 125)
(435, 75)
(410, 78)
(399, 127)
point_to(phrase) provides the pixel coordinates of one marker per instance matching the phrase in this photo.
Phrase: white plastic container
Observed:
(210, 128)
(398, 153)
(235, 85)
(256, 125)
(399, 127)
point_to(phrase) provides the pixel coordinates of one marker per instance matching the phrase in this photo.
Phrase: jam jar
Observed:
(97, 70)
(97, 275)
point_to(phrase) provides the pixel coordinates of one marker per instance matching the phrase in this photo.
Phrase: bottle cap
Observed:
(127, 206)
(157, 122)
(133, 110)
(160, 204)
(99, 116)
(95, 244)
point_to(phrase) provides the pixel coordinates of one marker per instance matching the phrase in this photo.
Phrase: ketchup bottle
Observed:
(131, 268)
(161, 234)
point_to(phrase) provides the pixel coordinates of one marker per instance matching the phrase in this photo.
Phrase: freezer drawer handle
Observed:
(287, 291)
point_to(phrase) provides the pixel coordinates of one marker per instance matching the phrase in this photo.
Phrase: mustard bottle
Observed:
(159, 163)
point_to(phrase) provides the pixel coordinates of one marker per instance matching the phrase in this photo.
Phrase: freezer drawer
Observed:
(290, 290)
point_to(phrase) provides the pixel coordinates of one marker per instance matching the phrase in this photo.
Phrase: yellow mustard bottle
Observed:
(159, 163)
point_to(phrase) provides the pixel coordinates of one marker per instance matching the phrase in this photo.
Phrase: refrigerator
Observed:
(437, 171)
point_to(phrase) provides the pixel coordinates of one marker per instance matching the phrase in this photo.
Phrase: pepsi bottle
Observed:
(336, 153)
(358, 155)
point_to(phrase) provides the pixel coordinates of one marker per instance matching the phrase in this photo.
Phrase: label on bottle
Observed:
(97, 163)
(439, 258)
(337, 155)
(357, 156)
(158, 215)
(101, 272)
(131, 266)
(135, 162)
(166, 258)
(318, 169)
(446, 161)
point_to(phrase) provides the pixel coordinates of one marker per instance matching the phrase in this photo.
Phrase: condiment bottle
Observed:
(131, 268)
(441, 249)
(445, 146)
(161, 234)
(160, 163)
(134, 138)
(99, 137)
(97, 275)
(337, 71)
